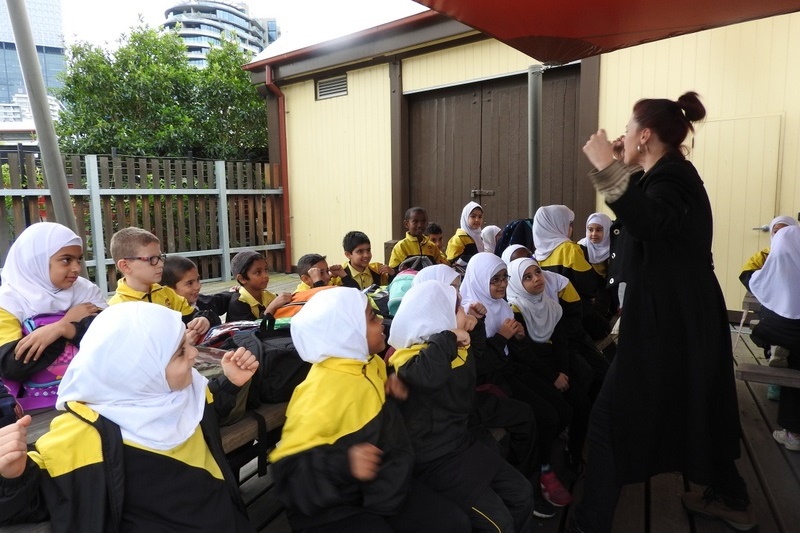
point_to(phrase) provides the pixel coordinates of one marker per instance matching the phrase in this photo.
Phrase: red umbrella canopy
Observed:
(562, 31)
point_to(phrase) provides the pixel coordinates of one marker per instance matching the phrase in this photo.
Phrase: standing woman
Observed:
(669, 400)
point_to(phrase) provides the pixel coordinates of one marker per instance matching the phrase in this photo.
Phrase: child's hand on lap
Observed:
(239, 366)
(14, 448)
(365, 460)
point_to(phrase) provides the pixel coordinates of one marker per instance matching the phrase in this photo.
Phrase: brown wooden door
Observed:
(471, 143)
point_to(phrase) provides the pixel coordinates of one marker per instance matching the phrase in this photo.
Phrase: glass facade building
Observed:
(202, 24)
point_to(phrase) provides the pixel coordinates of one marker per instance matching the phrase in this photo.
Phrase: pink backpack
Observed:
(40, 390)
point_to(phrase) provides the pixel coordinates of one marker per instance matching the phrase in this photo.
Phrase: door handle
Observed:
(764, 228)
(481, 192)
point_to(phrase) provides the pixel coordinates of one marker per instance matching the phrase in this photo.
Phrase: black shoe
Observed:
(543, 508)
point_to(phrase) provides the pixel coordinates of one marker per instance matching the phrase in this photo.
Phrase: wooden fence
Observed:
(201, 209)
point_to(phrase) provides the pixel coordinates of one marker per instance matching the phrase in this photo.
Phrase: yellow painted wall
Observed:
(470, 62)
(748, 151)
(339, 148)
(339, 164)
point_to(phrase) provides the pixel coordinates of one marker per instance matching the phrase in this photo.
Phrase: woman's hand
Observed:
(239, 366)
(599, 150)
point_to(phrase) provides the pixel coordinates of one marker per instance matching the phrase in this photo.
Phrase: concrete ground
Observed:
(278, 283)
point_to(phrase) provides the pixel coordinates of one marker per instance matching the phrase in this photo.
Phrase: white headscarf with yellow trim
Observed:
(541, 313)
(427, 308)
(120, 372)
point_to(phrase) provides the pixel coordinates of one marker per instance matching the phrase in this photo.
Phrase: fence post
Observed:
(222, 218)
(98, 239)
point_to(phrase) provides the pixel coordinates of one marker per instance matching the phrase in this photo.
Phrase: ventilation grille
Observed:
(332, 87)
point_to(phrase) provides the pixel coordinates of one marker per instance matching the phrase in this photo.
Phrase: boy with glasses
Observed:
(137, 255)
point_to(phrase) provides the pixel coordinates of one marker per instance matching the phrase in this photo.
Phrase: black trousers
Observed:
(506, 506)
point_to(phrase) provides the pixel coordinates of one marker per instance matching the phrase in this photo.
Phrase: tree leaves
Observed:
(145, 99)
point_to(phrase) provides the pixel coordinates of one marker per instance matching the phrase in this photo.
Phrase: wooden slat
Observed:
(666, 510)
(630, 514)
(785, 377)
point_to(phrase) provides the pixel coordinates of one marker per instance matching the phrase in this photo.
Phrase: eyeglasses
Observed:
(153, 259)
(499, 280)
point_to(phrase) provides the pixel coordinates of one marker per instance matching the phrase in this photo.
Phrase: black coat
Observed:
(674, 396)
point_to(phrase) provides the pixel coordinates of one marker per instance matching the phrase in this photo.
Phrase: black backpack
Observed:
(516, 232)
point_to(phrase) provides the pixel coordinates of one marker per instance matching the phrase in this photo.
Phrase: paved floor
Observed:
(278, 283)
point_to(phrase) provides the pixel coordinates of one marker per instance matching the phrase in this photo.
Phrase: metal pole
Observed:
(222, 219)
(46, 134)
(98, 237)
(534, 137)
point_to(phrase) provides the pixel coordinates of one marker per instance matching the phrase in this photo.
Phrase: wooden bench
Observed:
(785, 377)
(253, 436)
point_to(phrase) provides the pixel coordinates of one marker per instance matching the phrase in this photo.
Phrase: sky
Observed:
(102, 22)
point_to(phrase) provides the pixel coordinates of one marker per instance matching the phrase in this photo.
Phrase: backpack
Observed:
(516, 232)
(299, 299)
(415, 262)
(40, 390)
(218, 336)
(398, 288)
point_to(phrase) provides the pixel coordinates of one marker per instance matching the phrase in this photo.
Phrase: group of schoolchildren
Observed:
(377, 437)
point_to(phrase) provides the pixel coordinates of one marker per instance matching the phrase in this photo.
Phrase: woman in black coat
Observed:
(669, 400)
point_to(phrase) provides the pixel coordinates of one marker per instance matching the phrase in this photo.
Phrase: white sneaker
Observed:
(788, 439)
(779, 357)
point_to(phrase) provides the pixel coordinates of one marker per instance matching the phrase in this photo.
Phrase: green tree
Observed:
(145, 99)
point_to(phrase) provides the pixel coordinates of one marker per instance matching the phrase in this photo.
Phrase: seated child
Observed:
(415, 244)
(137, 254)
(138, 447)
(344, 461)
(254, 300)
(314, 272)
(775, 285)
(435, 234)
(467, 240)
(180, 274)
(359, 272)
(552, 231)
(41, 276)
(433, 358)
(490, 235)
(596, 245)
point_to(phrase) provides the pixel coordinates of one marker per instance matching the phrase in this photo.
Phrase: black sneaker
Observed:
(543, 508)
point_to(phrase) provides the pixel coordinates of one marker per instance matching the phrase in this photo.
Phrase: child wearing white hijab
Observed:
(41, 276)
(467, 240)
(776, 287)
(139, 446)
(552, 230)
(344, 461)
(489, 235)
(597, 242)
(432, 356)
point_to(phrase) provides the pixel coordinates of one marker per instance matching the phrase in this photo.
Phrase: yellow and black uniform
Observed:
(341, 403)
(412, 246)
(84, 477)
(363, 280)
(161, 295)
(461, 246)
(246, 307)
(756, 262)
(10, 335)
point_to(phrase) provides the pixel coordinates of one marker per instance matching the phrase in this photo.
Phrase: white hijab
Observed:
(26, 288)
(553, 284)
(541, 312)
(489, 237)
(777, 284)
(475, 288)
(509, 251)
(427, 308)
(464, 224)
(332, 324)
(443, 273)
(120, 372)
(782, 219)
(598, 252)
(550, 229)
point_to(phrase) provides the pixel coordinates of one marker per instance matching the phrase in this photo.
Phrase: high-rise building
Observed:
(202, 24)
(47, 36)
